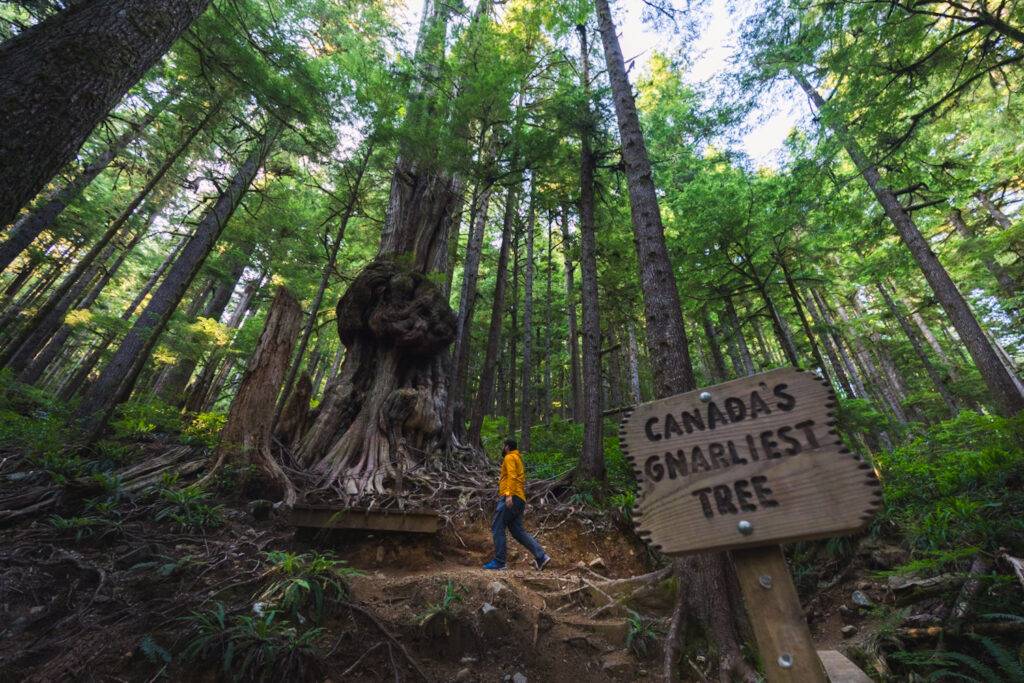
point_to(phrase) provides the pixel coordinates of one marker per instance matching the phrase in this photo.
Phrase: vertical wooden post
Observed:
(782, 635)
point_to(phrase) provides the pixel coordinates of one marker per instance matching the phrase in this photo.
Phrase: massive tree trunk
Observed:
(1003, 388)
(706, 577)
(118, 378)
(485, 391)
(97, 50)
(526, 408)
(591, 467)
(386, 411)
(29, 226)
(570, 308)
(246, 437)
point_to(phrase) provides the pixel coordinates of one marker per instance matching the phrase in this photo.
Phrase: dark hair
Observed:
(511, 444)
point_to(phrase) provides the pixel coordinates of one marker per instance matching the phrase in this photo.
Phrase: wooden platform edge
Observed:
(839, 669)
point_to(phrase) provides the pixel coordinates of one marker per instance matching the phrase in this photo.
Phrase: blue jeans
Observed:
(512, 518)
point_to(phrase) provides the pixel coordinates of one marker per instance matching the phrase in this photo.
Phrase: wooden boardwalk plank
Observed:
(840, 669)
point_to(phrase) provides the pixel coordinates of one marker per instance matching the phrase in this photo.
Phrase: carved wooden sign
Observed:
(751, 462)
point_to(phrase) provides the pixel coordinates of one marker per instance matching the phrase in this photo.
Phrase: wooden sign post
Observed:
(744, 466)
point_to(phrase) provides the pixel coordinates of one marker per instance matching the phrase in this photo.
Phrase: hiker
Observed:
(511, 505)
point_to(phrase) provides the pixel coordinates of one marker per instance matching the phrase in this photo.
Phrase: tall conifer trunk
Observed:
(708, 578)
(1002, 386)
(570, 309)
(98, 50)
(591, 467)
(526, 407)
(118, 378)
(486, 389)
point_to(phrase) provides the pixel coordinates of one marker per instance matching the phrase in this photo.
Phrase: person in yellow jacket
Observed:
(511, 505)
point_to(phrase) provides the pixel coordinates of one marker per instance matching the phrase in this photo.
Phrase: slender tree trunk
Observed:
(746, 366)
(570, 307)
(325, 278)
(549, 352)
(526, 409)
(47, 320)
(591, 467)
(56, 344)
(1002, 386)
(1006, 282)
(933, 374)
(172, 385)
(199, 391)
(513, 338)
(717, 361)
(485, 391)
(634, 364)
(28, 227)
(933, 342)
(823, 319)
(794, 295)
(458, 397)
(118, 378)
(1001, 219)
(709, 578)
(890, 383)
(98, 50)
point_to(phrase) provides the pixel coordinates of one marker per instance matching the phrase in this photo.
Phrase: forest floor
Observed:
(116, 600)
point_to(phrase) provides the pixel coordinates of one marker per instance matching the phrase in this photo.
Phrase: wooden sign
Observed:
(747, 463)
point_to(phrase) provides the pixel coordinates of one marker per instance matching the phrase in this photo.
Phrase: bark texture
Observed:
(28, 227)
(246, 437)
(708, 577)
(666, 336)
(591, 467)
(385, 413)
(59, 78)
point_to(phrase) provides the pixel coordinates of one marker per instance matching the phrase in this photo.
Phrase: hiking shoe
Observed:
(542, 562)
(494, 565)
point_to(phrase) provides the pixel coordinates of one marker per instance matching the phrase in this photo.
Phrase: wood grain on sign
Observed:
(761, 450)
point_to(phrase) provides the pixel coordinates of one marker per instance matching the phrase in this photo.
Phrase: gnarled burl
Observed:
(384, 412)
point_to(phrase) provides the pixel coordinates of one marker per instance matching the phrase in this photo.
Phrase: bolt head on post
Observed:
(745, 527)
(705, 396)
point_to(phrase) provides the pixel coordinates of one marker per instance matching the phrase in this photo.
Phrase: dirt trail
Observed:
(500, 623)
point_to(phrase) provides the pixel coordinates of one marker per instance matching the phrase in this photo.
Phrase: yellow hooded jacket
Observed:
(513, 476)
